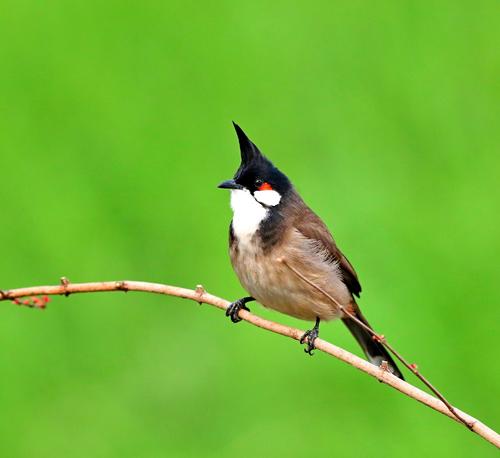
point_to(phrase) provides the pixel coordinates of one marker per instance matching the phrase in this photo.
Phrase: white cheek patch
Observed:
(270, 198)
(248, 214)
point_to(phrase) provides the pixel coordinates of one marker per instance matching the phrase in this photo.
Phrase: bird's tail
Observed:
(374, 351)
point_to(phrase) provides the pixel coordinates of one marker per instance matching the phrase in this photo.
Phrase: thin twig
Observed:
(380, 338)
(201, 296)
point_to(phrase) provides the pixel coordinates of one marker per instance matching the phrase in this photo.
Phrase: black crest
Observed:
(248, 150)
(254, 165)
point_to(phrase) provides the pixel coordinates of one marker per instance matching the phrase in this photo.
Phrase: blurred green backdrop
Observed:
(114, 132)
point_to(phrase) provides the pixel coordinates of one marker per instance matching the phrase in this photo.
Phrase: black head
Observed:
(256, 172)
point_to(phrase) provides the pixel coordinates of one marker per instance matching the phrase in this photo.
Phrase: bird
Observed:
(272, 223)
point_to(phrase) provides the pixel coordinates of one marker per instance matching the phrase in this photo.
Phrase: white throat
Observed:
(249, 211)
(247, 214)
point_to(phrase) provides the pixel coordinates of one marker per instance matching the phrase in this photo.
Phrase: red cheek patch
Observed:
(265, 187)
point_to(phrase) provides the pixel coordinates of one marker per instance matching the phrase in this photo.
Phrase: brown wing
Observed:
(310, 225)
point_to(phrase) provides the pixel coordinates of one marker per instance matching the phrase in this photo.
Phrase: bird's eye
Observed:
(258, 183)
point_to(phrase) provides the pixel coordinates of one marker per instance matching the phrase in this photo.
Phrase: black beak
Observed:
(230, 184)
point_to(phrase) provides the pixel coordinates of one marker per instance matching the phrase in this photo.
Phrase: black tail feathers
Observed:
(374, 351)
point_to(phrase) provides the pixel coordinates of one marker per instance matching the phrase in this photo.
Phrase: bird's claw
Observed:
(234, 308)
(309, 336)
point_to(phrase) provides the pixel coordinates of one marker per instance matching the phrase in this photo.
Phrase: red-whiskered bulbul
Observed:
(272, 222)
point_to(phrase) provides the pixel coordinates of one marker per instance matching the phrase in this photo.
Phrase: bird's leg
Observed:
(311, 336)
(234, 308)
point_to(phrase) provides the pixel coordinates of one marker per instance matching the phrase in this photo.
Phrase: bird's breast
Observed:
(275, 286)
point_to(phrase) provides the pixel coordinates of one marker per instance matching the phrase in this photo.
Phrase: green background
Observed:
(115, 128)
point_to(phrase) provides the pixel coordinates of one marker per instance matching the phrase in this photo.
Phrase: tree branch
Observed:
(201, 296)
(383, 341)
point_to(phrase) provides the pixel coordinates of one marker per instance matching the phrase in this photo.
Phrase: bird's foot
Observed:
(310, 336)
(234, 308)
